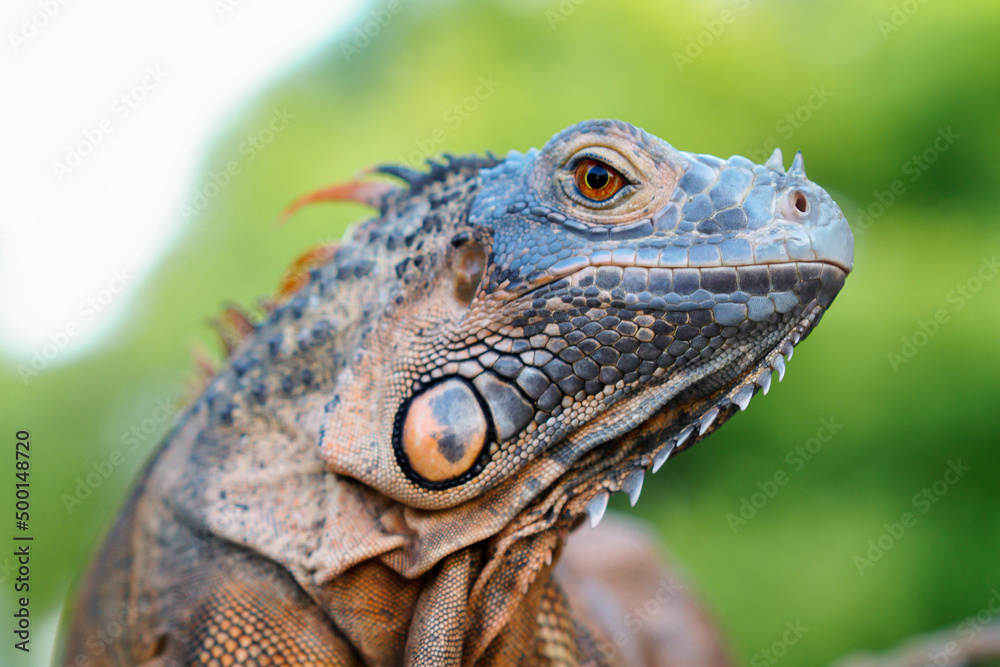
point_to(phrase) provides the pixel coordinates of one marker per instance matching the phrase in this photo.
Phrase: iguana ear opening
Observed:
(469, 265)
(419, 424)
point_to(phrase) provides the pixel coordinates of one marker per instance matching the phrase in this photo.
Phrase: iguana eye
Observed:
(444, 432)
(598, 181)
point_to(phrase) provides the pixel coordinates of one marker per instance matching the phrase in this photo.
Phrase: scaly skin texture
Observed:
(388, 470)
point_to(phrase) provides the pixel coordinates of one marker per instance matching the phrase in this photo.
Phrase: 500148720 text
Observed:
(22, 546)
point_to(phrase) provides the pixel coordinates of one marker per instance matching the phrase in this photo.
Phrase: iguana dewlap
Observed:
(388, 469)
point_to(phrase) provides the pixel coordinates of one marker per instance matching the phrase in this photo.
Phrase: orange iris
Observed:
(597, 180)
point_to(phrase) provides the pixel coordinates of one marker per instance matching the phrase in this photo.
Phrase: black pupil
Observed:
(597, 177)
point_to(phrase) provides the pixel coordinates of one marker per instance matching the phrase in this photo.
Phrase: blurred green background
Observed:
(895, 106)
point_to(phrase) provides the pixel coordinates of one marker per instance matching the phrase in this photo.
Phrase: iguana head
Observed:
(550, 325)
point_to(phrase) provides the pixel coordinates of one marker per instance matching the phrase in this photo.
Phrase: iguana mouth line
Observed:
(567, 267)
(576, 266)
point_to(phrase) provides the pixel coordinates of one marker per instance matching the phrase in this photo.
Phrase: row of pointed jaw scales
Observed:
(703, 423)
(716, 412)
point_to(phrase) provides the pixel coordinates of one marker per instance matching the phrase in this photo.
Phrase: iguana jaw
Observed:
(673, 411)
(618, 454)
(575, 472)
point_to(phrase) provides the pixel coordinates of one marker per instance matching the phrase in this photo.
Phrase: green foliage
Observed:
(882, 85)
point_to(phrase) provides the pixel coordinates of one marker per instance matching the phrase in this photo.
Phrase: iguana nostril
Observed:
(800, 201)
(796, 205)
(444, 431)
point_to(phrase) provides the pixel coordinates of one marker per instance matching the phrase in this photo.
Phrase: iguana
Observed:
(387, 471)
